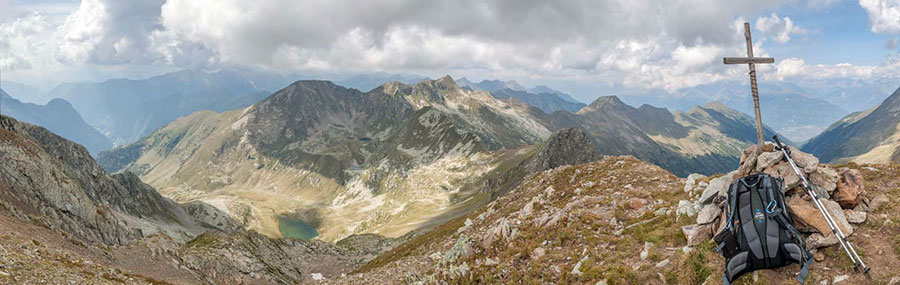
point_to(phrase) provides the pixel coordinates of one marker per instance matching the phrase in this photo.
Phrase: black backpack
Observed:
(759, 233)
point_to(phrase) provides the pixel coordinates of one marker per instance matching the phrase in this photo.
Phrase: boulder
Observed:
(849, 188)
(717, 187)
(748, 161)
(685, 207)
(824, 178)
(838, 214)
(637, 203)
(878, 202)
(708, 214)
(691, 181)
(855, 217)
(808, 218)
(500, 231)
(527, 210)
(696, 234)
(806, 162)
(768, 159)
(817, 240)
(784, 171)
(646, 251)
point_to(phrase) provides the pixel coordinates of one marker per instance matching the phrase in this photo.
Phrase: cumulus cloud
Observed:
(556, 38)
(798, 69)
(110, 32)
(20, 44)
(659, 43)
(884, 15)
(780, 29)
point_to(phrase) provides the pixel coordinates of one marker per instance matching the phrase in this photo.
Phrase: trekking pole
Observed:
(835, 229)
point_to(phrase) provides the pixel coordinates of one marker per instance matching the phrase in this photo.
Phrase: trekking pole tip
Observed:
(868, 274)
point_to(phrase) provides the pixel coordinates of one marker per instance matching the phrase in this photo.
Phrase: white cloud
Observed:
(611, 38)
(21, 44)
(798, 69)
(780, 29)
(666, 44)
(884, 15)
(110, 32)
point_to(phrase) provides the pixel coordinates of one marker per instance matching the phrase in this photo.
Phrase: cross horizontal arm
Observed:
(746, 60)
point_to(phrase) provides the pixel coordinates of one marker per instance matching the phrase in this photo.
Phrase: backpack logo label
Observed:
(759, 216)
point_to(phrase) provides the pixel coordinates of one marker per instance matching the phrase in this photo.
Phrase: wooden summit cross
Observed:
(752, 61)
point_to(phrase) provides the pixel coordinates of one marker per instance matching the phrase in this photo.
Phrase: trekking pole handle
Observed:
(780, 145)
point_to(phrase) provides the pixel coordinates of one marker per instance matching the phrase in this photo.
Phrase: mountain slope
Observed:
(64, 219)
(125, 110)
(399, 157)
(706, 139)
(575, 224)
(386, 161)
(800, 113)
(871, 136)
(613, 221)
(58, 116)
(544, 89)
(24, 93)
(547, 102)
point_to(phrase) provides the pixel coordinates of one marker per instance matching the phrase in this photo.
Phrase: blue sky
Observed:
(587, 47)
(841, 33)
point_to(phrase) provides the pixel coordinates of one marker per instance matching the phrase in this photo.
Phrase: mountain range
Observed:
(789, 109)
(870, 136)
(398, 157)
(542, 97)
(58, 116)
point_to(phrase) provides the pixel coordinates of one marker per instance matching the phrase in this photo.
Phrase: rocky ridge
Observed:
(60, 211)
(619, 221)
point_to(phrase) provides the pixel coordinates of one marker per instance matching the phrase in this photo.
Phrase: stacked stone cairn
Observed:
(841, 190)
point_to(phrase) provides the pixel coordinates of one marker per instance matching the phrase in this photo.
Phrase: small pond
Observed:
(294, 228)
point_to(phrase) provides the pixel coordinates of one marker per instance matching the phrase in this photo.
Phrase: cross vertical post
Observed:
(751, 61)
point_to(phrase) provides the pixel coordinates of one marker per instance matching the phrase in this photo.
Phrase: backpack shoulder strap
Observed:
(778, 213)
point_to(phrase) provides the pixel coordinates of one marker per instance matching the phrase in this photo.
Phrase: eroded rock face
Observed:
(849, 188)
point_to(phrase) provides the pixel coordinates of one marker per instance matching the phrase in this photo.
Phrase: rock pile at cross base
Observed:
(841, 190)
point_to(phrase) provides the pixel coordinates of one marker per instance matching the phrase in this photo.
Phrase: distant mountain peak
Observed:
(447, 81)
(610, 100)
(717, 105)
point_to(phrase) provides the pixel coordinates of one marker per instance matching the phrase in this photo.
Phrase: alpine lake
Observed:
(295, 228)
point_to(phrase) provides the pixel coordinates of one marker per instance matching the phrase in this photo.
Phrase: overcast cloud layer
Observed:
(667, 44)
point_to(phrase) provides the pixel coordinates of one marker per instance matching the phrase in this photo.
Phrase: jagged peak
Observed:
(447, 82)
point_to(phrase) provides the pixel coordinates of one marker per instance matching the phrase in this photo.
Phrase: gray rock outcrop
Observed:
(839, 190)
